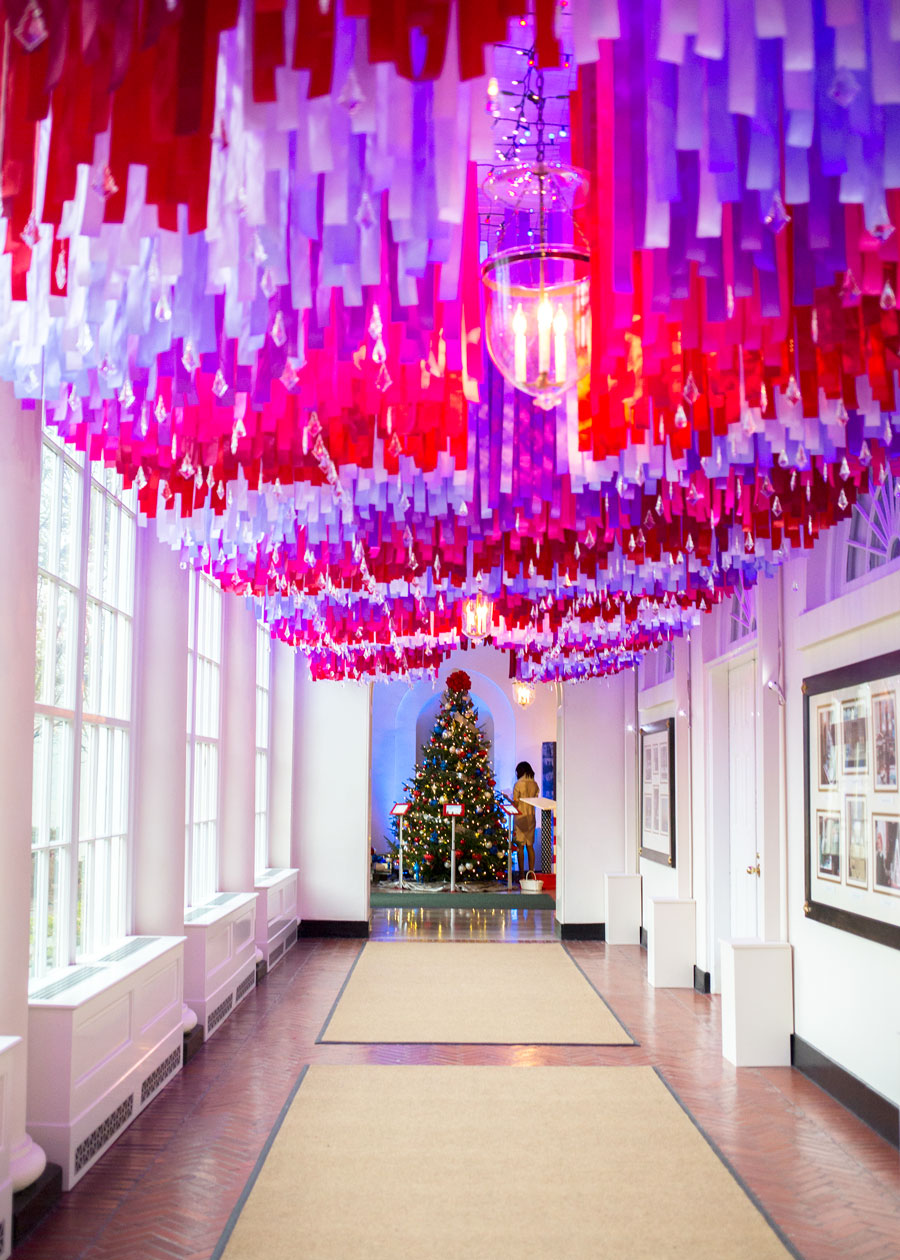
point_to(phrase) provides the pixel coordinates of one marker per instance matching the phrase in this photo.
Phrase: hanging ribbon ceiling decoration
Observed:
(242, 265)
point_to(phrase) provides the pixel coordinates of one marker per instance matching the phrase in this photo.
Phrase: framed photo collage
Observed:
(853, 798)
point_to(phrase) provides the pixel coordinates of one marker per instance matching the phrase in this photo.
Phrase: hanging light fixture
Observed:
(537, 294)
(523, 692)
(477, 617)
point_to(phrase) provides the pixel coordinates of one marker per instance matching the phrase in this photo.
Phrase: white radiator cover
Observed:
(276, 913)
(101, 1047)
(219, 957)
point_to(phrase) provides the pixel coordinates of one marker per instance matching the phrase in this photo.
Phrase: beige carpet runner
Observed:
(460, 992)
(416, 1161)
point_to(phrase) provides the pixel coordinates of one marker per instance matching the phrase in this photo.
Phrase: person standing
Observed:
(524, 829)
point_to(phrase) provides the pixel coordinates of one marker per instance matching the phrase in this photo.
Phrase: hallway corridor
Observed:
(167, 1187)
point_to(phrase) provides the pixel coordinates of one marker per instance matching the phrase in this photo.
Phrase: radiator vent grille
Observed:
(245, 986)
(75, 976)
(103, 1133)
(125, 951)
(156, 1078)
(219, 1013)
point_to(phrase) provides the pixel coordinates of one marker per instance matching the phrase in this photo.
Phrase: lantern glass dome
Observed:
(537, 292)
(523, 692)
(477, 617)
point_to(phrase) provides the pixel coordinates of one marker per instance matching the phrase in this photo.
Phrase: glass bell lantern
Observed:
(538, 295)
(477, 617)
(523, 692)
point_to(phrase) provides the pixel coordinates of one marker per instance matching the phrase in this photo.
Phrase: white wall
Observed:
(845, 987)
(591, 837)
(331, 797)
(398, 707)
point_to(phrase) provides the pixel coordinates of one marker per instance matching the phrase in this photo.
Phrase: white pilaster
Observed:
(331, 799)
(160, 734)
(591, 797)
(20, 493)
(281, 755)
(237, 759)
(770, 781)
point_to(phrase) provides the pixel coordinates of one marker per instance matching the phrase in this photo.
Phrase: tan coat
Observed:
(525, 822)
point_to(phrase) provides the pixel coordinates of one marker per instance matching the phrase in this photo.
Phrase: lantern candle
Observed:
(518, 327)
(560, 326)
(544, 321)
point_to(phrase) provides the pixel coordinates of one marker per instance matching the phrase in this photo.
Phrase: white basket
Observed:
(531, 883)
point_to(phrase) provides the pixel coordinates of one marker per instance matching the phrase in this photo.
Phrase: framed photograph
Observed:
(827, 734)
(852, 798)
(664, 813)
(657, 752)
(886, 847)
(884, 740)
(854, 737)
(857, 841)
(828, 826)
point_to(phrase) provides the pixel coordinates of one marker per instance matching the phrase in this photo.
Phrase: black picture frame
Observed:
(656, 780)
(851, 796)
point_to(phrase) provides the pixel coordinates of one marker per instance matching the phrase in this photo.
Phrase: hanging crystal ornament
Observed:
(31, 29)
(163, 309)
(776, 218)
(278, 332)
(537, 294)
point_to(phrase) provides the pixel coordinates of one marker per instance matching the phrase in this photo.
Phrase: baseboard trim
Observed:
(358, 929)
(643, 938)
(191, 1043)
(36, 1201)
(262, 969)
(581, 931)
(702, 980)
(866, 1103)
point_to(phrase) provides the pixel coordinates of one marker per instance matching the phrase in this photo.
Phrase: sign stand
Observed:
(453, 812)
(400, 811)
(511, 813)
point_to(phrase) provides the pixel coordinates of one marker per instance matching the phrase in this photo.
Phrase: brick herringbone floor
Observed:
(166, 1188)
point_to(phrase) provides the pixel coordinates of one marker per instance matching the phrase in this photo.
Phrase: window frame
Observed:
(263, 632)
(195, 741)
(79, 939)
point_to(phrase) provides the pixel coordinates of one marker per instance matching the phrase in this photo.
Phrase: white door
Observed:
(742, 798)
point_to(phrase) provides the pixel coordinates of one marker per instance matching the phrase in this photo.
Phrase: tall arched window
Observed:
(263, 684)
(874, 538)
(203, 724)
(82, 721)
(742, 615)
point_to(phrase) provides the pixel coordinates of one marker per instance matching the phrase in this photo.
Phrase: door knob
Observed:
(754, 870)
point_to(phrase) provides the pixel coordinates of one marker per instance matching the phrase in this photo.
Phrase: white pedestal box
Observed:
(671, 943)
(623, 909)
(219, 956)
(6, 1193)
(103, 1038)
(276, 913)
(757, 1003)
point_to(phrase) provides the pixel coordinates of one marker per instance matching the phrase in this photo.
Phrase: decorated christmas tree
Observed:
(455, 769)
